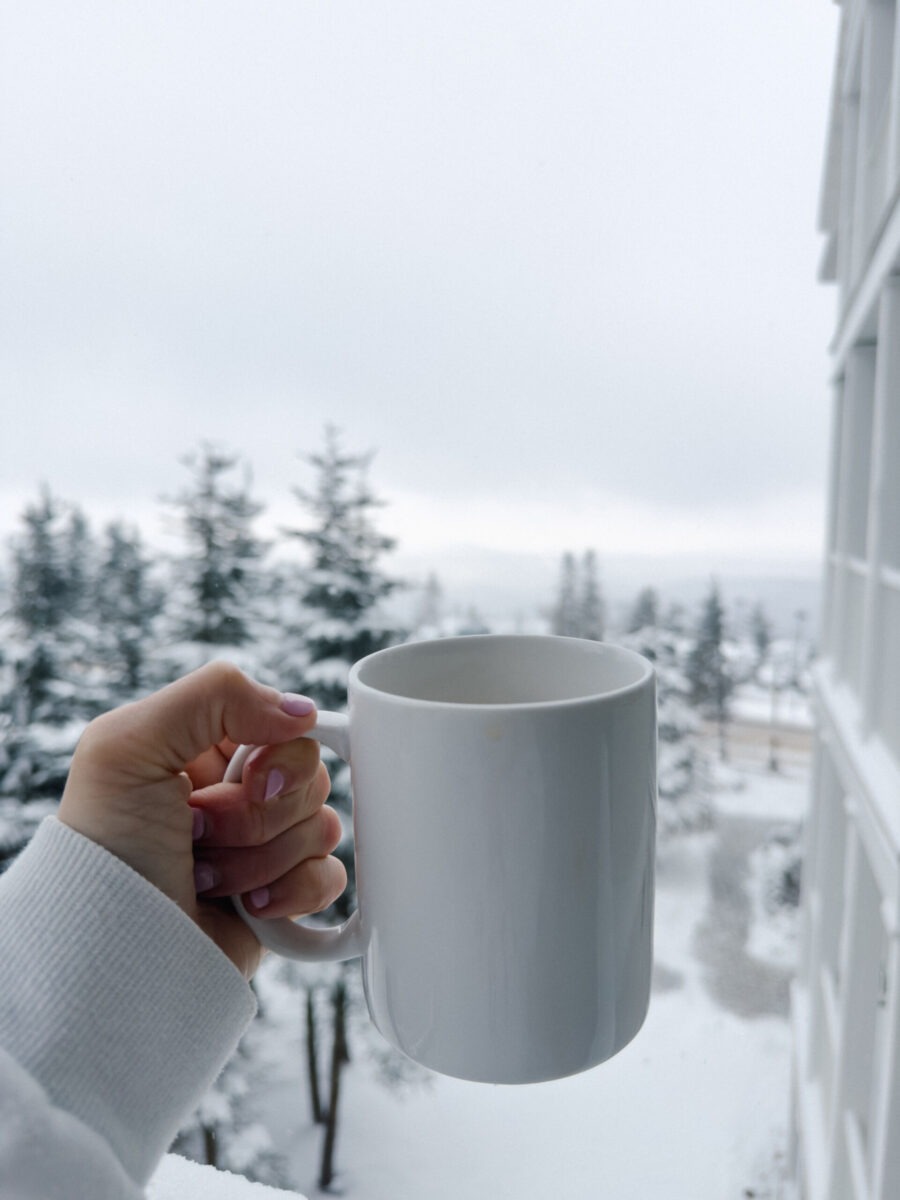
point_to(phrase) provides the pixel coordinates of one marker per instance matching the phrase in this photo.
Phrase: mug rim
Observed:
(648, 674)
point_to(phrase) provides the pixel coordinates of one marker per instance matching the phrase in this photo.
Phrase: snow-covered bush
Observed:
(780, 865)
(774, 886)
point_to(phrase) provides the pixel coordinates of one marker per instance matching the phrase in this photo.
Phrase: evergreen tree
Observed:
(42, 592)
(51, 688)
(761, 633)
(127, 603)
(565, 622)
(53, 560)
(80, 557)
(674, 619)
(220, 571)
(431, 605)
(707, 670)
(345, 585)
(590, 609)
(645, 611)
(579, 609)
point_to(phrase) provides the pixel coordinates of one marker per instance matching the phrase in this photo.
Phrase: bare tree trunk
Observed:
(312, 1058)
(210, 1149)
(338, 1058)
(774, 765)
(722, 713)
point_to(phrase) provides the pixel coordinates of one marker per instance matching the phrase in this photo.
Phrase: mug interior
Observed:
(491, 669)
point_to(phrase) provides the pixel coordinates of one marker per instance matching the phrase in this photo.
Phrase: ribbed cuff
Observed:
(112, 998)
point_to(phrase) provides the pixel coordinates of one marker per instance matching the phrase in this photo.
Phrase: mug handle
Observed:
(286, 937)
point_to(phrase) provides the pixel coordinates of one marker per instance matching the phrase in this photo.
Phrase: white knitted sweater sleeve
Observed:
(116, 1014)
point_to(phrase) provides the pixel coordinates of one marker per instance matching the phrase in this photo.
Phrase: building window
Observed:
(853, 482)
(887, 707)
(875, 115)
(865, 958)
(890, 473)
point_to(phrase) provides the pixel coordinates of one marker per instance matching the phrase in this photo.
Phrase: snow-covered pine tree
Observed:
(343, 622)
(219, 573)
(80, 555)
(579, 610)
(51, 687)
(645, 611)
(43, 590)
(761, 634)
(591, 620)
(564, 621)
(430, 609)
(127, 602)
(345, 584)
(675, 619)
(707, 669)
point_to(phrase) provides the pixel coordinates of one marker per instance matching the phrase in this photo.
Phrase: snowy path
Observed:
(740, 983)
(694, 1109)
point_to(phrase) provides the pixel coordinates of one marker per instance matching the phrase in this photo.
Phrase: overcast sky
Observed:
(554, 262)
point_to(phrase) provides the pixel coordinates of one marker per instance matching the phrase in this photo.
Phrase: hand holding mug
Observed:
(146, 782)
(504, 818)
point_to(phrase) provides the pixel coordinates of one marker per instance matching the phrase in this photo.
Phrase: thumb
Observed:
(168, 730)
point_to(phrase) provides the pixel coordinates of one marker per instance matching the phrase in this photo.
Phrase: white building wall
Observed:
(846, 1102)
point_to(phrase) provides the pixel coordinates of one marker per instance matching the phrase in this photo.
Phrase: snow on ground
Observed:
(745, 791)
(754, 703)
(758, 794)
(696, 1108)
(179, 1179)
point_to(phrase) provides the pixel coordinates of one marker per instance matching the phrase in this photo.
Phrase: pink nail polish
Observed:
(296, 706)
(199, 825)
(274, 784)
(260, 897)
(205, 876)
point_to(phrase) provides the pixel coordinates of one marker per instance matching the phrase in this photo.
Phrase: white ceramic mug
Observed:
(504, 795)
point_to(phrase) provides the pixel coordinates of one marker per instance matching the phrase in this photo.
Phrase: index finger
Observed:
(215, 705)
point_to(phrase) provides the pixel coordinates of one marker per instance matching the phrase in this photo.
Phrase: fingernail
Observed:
(260, 898)
(199, 824)
(205, 876)
(296, 706)
(274, 784)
